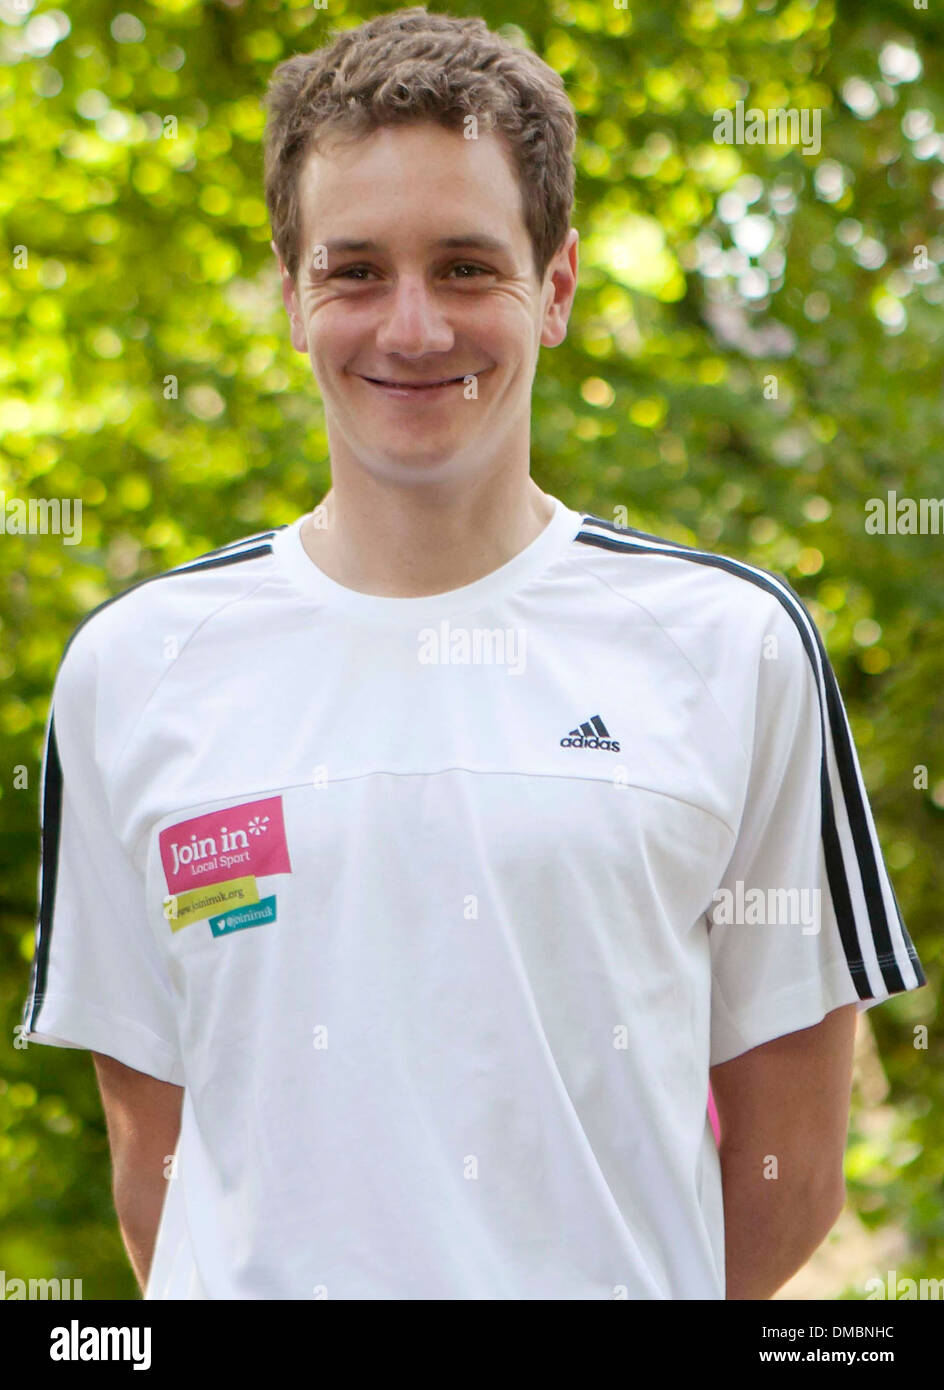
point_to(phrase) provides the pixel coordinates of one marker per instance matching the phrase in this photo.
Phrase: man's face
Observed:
(438, 286)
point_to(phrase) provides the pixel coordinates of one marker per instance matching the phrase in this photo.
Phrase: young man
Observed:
(422, 859)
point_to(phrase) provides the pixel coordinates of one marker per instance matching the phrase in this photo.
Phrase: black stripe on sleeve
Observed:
(889, 960)
(52, 820)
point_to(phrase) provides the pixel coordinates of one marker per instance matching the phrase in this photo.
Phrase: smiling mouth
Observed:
(419, 385)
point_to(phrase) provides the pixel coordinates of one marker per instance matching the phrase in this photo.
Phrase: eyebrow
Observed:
(477, 239)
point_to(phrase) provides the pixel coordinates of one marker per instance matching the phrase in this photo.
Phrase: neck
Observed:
(410, 543)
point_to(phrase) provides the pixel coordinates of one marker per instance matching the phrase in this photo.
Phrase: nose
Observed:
(413, 324)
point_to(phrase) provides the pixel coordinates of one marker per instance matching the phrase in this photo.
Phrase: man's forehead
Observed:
(477, 217)
(481, 201)
(423, 138)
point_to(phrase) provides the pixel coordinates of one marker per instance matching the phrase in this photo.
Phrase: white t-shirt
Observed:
(441, 908)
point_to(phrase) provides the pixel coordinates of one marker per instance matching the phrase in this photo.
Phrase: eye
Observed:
(357, 272)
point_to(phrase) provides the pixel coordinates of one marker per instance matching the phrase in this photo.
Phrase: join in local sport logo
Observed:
(248, 839)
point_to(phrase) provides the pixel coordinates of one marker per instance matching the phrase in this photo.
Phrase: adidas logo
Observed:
(593, 734)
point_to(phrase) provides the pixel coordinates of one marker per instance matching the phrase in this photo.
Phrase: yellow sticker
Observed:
(183, 908)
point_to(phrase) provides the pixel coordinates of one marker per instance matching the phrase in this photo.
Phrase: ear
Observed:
(562, 274)
(290, 300)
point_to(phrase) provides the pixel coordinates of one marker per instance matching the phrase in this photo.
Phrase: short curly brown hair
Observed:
(410, 66)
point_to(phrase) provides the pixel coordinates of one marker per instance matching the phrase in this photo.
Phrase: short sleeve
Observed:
(97, 979)
(805, 918)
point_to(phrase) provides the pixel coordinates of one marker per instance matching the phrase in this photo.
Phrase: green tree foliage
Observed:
(755, 352)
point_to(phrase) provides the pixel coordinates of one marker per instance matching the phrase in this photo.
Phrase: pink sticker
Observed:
(246, 839)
